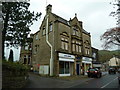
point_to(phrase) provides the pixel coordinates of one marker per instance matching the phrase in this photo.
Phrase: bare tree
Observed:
(112, 36)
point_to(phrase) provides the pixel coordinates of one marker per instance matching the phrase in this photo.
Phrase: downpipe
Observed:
(51, 59)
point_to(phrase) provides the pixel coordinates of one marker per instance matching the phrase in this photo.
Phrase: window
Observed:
(76, 46)
(36, 37)
(75, 31)
(87, 51)
(86, 45)
(80, 49)
(44, 31)
(64, 42)
(25, 59)
(51, 27)
(28, 59)
(26, 46)
(36, 49)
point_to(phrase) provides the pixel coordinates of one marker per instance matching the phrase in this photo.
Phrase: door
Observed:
(78, 69)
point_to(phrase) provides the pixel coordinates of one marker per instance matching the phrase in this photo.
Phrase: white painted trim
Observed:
(65, 59)
(64, 74)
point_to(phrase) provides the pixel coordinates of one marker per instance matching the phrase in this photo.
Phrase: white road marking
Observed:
(108, 83)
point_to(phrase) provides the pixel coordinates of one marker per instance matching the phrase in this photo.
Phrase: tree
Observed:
(112, 36)
(11, 56)
(17, 21)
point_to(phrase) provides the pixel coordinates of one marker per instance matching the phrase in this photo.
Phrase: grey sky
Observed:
(93, 13)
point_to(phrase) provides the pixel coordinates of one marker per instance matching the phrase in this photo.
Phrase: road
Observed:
(107, 81)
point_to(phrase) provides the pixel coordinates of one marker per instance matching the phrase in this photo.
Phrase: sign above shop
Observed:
(86, 59)
(66, 55)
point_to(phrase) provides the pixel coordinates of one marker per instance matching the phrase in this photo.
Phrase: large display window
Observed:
(64, 67)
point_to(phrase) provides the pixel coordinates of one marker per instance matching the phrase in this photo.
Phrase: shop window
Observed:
(61, 67)
(64, 67)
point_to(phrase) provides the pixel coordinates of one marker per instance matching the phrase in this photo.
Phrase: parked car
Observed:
(119, 76)
(112, 70)
(94, 72)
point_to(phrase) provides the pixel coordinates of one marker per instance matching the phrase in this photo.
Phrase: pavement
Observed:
(37, 81)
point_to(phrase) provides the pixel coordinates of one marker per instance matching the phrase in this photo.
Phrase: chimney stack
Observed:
(49, 8)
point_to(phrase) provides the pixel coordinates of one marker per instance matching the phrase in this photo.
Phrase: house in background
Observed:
(61, 47)
(114, 62)
(26, 52)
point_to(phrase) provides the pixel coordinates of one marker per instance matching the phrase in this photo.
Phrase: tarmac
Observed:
(37, 81)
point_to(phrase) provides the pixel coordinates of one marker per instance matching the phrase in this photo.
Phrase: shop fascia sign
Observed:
(66, 55)
(86, 59)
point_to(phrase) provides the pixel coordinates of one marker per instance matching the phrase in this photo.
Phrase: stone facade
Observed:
(66, 42)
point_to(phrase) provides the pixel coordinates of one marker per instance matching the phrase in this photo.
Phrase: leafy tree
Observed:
(17, 21)
(11, 56)
(112, 36)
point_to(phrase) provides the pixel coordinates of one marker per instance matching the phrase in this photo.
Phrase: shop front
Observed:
(86, 64)
(66, 64)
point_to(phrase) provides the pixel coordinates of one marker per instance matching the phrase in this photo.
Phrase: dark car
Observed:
(94, 72)
(112, 71)
(119, 76)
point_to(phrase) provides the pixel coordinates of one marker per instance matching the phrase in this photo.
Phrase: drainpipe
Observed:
(51, 59)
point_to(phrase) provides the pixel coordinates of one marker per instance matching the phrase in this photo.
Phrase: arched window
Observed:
(64, 41)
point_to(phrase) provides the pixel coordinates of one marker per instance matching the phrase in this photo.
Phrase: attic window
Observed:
(51, 27)
(75, 31)
(43, 31)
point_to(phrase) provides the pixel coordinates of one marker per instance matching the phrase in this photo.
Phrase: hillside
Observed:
(105, 55)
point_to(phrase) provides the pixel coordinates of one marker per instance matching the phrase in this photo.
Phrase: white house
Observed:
(114, 61)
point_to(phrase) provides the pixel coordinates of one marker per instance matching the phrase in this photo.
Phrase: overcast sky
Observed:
(93, 13)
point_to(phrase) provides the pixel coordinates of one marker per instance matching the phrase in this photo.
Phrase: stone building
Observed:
(61, 47)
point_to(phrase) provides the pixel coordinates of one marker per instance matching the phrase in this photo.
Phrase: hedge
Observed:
(14, 74)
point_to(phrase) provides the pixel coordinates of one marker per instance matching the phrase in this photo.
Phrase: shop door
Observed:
(78, 69)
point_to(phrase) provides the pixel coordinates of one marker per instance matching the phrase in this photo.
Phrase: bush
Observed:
(14, 68)
(14, 74)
